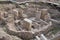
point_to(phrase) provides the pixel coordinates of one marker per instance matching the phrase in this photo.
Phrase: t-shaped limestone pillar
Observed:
(10, 23)
(21, 15)
(16, 14)
(44, 14)
(10, 19)
(38, 14)
(27, 24)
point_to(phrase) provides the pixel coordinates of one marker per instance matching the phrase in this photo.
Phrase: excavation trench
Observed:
(27, 20)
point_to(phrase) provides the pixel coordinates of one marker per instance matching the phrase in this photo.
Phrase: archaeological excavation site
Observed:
(29, 19)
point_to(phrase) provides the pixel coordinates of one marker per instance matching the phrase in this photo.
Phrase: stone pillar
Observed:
(10, 19)
(0, 15)
(10, 23)
(21, 14)
(2, 20)
(27, 24)
(16, 14)
(45, 15)
(5, 14)
(38, 14)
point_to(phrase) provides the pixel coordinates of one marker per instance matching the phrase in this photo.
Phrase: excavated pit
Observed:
(28, 20)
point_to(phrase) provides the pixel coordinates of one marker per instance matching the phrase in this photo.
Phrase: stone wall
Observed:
(54, 1)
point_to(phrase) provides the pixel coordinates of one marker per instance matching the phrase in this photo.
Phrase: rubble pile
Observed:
(26, 22)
